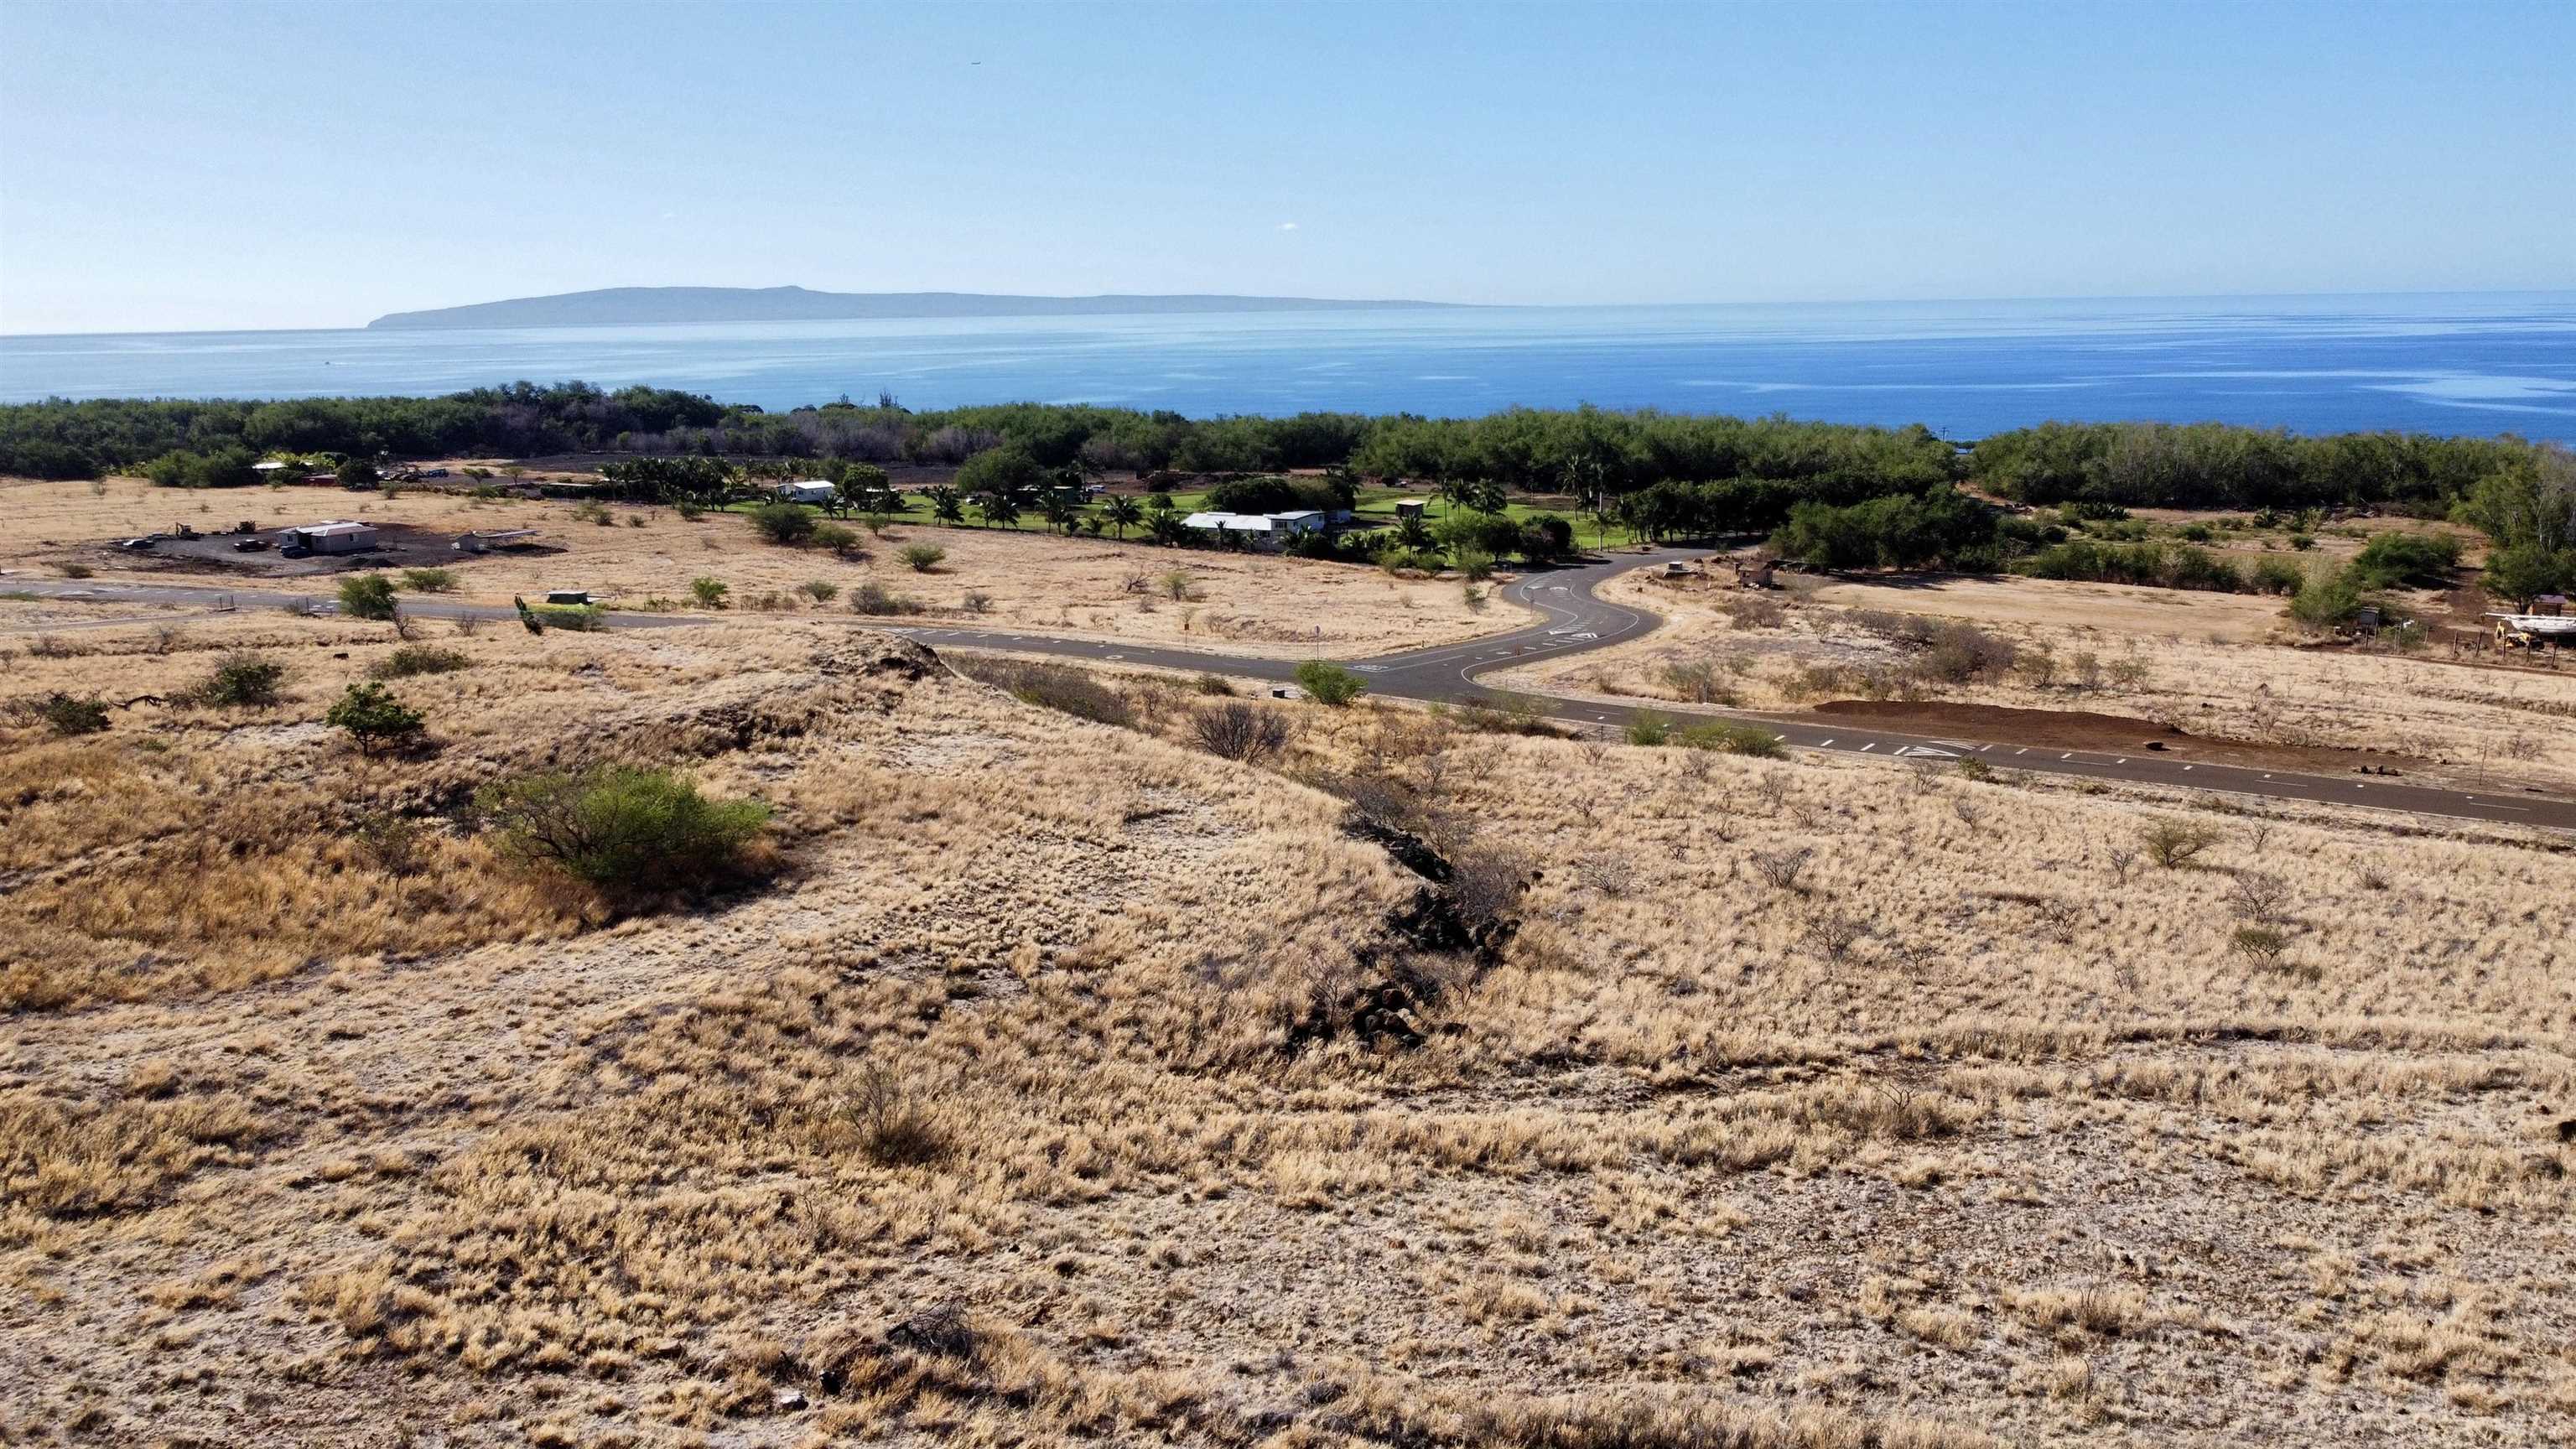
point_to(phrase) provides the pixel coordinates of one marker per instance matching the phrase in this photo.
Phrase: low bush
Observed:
(821, 591)
(1649, 728)
(921, 558)
(1729, 737)
(374, 718)
(1242, 732)
(579, 618)
(2174, 844)
(840, 538)
(367, 596)
(783, 523)
(413, 659)
(429, 581)
(2277, 576)
(244, 680)
(1328, 683)
(709, 593)
(1700, 681)
(895, 1127)
(875, 599)
(1504, 714)
(72, 714)
(624, 828)
(1053, 686)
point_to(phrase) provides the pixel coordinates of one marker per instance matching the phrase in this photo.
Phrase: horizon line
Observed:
(1394, 304)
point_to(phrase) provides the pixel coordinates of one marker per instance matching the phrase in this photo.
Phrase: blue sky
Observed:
(216, 165)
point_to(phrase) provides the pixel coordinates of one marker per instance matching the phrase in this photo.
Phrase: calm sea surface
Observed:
(2456, 363)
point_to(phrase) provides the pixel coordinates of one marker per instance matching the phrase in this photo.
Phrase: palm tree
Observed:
(1060, 512)
(1166, 526)
(997, 508)
(947, 505)
(1412, 532)
(1122, 513)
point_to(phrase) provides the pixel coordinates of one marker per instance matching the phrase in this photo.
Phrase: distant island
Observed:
(633, 306)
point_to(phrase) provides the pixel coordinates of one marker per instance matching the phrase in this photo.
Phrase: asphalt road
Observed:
(1571, 620)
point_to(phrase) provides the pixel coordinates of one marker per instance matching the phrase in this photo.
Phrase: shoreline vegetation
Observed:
(1828, 495)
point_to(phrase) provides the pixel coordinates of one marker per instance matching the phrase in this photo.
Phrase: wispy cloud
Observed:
(1287, 226)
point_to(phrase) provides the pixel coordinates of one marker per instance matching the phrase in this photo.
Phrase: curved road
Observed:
(1571, 620)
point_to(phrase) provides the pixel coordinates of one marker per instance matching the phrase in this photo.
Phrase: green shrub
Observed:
(840, 538)
(367, 596)
(413, 659)
(1649, 728)
(72, 714)
(429, 581)
(2278, 576)
(579, 618)
(710, 593)
(242, 679)
(689, 512)
(821, 591)
(1328, 683)
(1728, 737)
(921, 558)
(2325, 600)
(2392, 559)
(783, 523)
(374, 718)
(623, 828)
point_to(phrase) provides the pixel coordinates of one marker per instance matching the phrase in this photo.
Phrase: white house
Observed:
(1264, 524)
(808, 490)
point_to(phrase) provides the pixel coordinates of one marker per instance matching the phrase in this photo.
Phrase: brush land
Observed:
(1099, 1058)
(638, 556)
(2226, 669)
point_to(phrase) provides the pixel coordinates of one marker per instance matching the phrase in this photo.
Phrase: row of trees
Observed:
(1663, 474)
(2212, 465)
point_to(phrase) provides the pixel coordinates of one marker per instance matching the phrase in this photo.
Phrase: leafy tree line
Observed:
(64, 439)
(2212, 465)
(1666, 474)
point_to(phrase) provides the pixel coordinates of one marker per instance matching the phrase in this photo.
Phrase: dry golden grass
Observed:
(1003, 1115)
(2215, 665)
(1235, 603)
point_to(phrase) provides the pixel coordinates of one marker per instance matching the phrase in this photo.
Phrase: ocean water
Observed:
(2448, 363)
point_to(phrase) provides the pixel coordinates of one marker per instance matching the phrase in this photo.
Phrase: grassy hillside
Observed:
(1041, 1078)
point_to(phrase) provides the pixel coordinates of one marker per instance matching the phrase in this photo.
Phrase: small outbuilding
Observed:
(808, 490)
(1411, 507)
(484, 541)
(342, 537)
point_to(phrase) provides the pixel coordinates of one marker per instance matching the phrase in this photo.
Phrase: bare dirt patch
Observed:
(2076, 729)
